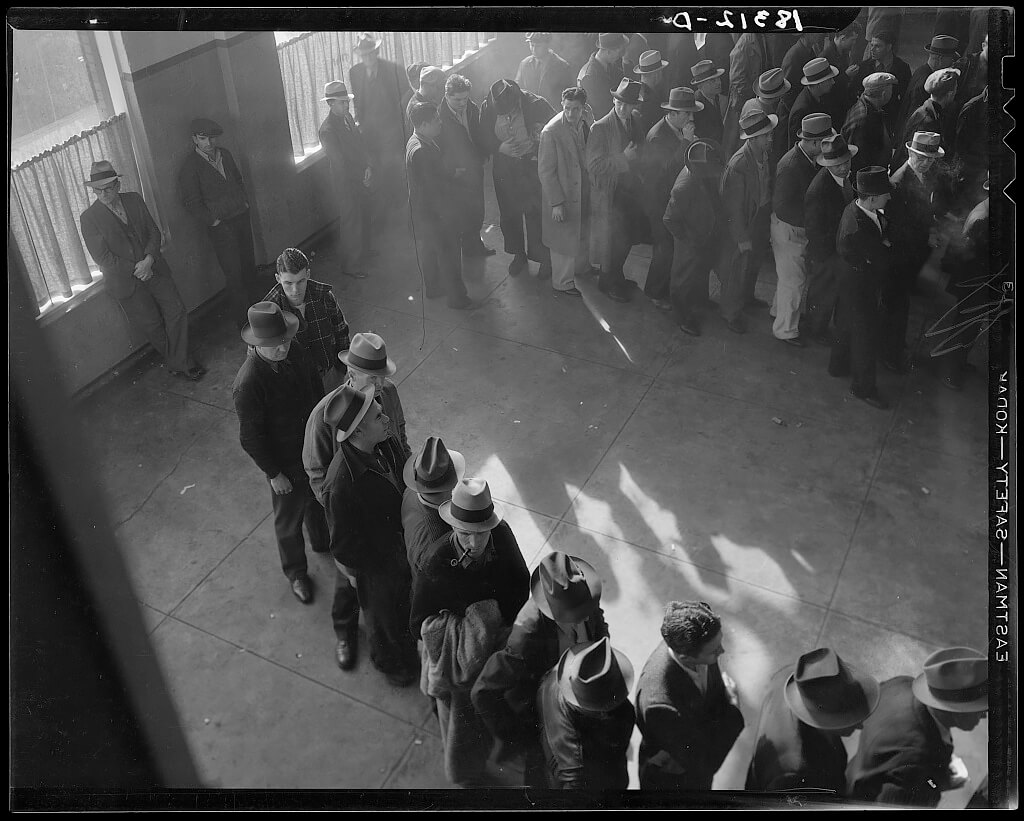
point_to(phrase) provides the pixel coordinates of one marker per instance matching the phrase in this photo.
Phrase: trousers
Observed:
(628, 223)
(291, 510)
(822, 289)
(857, 322)
(353, 222)
(564, 269)
(789, 243)
(232, 243)
(659, 273)
(691, 269)
(437, 245)
(156, 309)
(738, 270)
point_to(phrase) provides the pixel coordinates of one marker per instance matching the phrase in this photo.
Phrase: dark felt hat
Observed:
(269, 326)
(629, 91)
(434, 469)
(683, 99)
(944, 44)
(565, 588)
(872, 181)
(595, 676)
(827, 693)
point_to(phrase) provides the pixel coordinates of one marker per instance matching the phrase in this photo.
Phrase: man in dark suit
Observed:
(827, 197)
(435, 214)
(687, 706)
(544, 73)
(601, 74)
(650, 71)
(464, 159)
(380, 88)
(430, 476)
(806, 48)
(806, 713)
(905, 755)
(350, 176)
(125, 243)
(819, 96)
(881, 57)
(664, 157)
(865, 125)
(942, 53)
(863, 244)
(933, 115)
(212, 191)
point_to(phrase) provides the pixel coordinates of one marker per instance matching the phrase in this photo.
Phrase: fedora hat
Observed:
(595, 676)
(434, 469)
(269, 326)
(872, 181)
(612, 40)
(943, 44)
(816, 127)
(101, 173)
(703, 71)
(772, 84)
(954, 680)
(367, 353)
(629, 91)
(835, 151)
(650, 61)
(757, 123)
(682, 99)
(505, 94)
(704, 159)
(926, 143)
(879, 79)
(336, 90)
(826, 692)
(346, 408)
(367, 42)
(538, 37)
(565, 588)
(203, 127)
(817, 71)
(471, 507)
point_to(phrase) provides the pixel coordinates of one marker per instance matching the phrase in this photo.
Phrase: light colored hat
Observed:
(101, 173)
(428, 73)
(757, 123)
(471, 507)
(346, 408)
(434, 469)
(941, 81)
(816, 127)
(703, 71)
(367, 353)
(827, 693)
(817, 71)
(367, 42)
(879, 79)
(954, 680)
(683, 99)
(772, 84)
(926, 143)
(650, 61)
(336, 90)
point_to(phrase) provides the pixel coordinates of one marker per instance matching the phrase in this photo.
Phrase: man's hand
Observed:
(558, 213)
(853, 70)
(745, 247)
(215, 223)
(630, 153)
(144, 268)
(367, 174)
(690, 130)
(280, 484)
(730, 689)
(509, 148)
(958, 774)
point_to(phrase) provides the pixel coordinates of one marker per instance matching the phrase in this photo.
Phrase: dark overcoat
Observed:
(109, 244)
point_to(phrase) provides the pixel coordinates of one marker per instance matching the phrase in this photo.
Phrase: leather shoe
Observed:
(356, 274)
(302, 587)
(519, 264)
(874, 400)
(795, 341)
(465, 304)
(191, 376)
(615, 294)
(574, 291)
(479, 251)
(689, 327)
(736, 325)
(345, 653)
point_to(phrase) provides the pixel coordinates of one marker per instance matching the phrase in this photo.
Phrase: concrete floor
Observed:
(608, 434)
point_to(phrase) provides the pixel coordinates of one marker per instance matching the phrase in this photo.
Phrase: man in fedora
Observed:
(918, 213)
(772, 97)
(430, 477)
(827, 197)
(934, 113)
(943, 52)
(808, 710)
(544, 73)
(614, 160)
(430, 89)
(510, 123)
(881, 58)
(124, 241)
(905, 755)
(807, 47)
(863, 243)
(970, 150)
(695, 221)
(664, 157)
(362, 495)
(707, 83)
(379, 89)
(350, 175)
(687, 706)
(746, 206)
(793, 177)
(464, 602)
(435, 215)
(586, 718)
(212, 190)
(650, 71)
(749, 58)
(818, 97)
(563, 611)
(601, 74)
(274, 392)
(866, 125)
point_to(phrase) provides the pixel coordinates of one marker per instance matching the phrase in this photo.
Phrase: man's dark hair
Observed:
(688, 625)
(422, 113)
(575, 94)
(456, 84)
(292, 261)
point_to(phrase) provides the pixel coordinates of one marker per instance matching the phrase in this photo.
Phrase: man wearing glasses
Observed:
(125, 242)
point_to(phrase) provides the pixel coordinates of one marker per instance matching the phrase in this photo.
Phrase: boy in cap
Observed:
(544, 72)
(274, 392)
(586, 718)
(808, 710)
(687, 706)
(429, 89)
(880, 56)
(430, 476)
(866, 125)
(211, 189)
(124, 241)
(905, 755)
(942, 53)
(563, 611)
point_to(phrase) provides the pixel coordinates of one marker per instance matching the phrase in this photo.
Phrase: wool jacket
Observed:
(206, 194)
(423, 528)
(824, 204)
(116, 247)
(323, 330)
(547, 78)
(866, 128)
(792, 179)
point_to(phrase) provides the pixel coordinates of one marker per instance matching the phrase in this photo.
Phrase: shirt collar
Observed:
(425, 503)
(840, 181)
(214, 160)
(872, 214)
(262, 360)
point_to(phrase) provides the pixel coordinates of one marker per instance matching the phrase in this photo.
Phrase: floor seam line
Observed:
(156, 486)
(405, 754)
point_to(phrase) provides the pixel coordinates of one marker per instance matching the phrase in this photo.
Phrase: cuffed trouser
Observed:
(232, 243)
(437, 245)
(384, 597)
(156, 309)
(691, 268)
(896, 305)
(790, 245)
(738, 270)
(290, 511)
(822, 288)
(352, 217)
(519, 204)
(627, 218)
(659, 273)
(854, 349)
(565, 269)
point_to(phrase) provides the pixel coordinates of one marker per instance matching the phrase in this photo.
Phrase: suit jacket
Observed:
(806, 103)
(789, 754)
(344, 146)
(913, 210)
(431, 185)
(866, 128)
(686, 734)
(651, 112)
(547, 78)
(694, 213)
(792, 179)
(901, 757)
(844, 87)
(824, 204)
(664, 157)
(929, 116)
(461, 148)
(208, 196)
(378, 105)
(598, 82)
(609, 169)
(110, 244)
(562, 168)
(740, 194)
(862, 246)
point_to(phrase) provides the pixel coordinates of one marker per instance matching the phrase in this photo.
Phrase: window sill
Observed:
(87, 292)
(309, 158)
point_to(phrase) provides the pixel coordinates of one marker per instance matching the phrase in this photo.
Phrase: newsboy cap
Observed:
(203, 127)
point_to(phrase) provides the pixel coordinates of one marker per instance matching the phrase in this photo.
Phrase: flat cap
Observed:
(879, 79)
(941, 81)
(431, 74)
(203, 127)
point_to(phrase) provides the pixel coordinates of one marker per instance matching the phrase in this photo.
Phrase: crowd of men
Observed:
(850, 173)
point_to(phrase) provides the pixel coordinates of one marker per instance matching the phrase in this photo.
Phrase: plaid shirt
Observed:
(323, 331)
